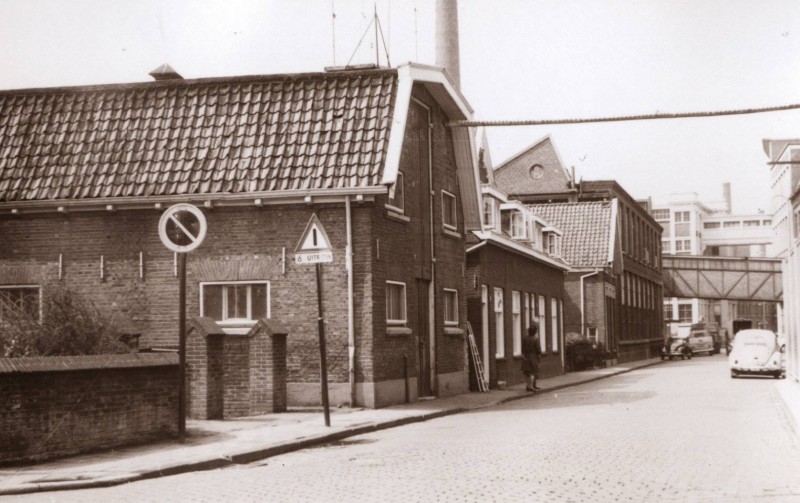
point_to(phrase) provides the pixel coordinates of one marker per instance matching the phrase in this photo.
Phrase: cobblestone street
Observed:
(682, 431)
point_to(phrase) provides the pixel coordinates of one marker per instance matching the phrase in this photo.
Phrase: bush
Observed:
(70, 326)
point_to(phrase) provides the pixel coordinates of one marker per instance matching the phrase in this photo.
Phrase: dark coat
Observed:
(530, 354)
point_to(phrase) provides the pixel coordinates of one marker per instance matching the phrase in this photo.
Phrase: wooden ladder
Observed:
(476, 359)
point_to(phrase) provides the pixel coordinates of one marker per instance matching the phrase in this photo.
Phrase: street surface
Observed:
(680, 431)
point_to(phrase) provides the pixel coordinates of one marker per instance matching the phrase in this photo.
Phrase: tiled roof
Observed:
(89, 362)
(586, 227)
(207, 136)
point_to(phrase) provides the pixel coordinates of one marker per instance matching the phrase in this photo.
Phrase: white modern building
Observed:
(695, 227)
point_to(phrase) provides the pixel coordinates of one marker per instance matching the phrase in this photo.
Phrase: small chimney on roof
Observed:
(165, 72)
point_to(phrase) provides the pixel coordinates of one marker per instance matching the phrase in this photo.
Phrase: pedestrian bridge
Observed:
(719, 278)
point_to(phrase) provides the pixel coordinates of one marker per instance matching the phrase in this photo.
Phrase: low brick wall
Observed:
(52, 407)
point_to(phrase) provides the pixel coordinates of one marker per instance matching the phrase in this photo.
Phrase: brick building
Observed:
(86, 172)
(622, 255)
(514, 277)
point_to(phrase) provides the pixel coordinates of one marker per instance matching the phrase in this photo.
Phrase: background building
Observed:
(695, 227)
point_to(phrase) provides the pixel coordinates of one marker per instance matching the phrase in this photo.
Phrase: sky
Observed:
(520, 59)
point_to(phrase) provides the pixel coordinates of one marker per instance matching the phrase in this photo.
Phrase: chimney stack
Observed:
(726, 194)
(165, 72)
(447, 55)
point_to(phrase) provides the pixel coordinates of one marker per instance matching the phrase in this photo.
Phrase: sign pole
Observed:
(323, 365)
(182, 347)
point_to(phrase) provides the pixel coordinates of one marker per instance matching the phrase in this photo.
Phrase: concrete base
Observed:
(374, 395)
(454, 383)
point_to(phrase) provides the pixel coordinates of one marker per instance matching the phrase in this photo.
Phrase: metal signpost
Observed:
(182, 228)
(315, 248)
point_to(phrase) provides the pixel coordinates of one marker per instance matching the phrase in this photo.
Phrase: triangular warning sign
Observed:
(314, 237)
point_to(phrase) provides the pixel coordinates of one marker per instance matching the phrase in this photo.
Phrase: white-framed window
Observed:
(527, 308)
(449, 214)
(16, 300)
(661, 214)
(542, 322)
(710, 225)
(554, 322)
(685, 313)
(516, 319)
(682, 217)
(235, 301)
(499, 324)
(518, 230)
(395, 303)
(666, 246)
(450, 306)
(490, 212)
(553, 244)
(683, 246)
(397, 202)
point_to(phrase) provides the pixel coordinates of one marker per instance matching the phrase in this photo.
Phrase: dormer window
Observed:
(518, 230)
(553, 244)
(490, 213)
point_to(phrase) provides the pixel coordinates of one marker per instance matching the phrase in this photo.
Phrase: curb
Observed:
(268, 452)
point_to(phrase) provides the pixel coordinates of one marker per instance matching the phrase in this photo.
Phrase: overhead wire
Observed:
(623, 118)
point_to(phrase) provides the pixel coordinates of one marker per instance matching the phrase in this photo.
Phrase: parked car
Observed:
(676, 347)
(756, 352)
(704, 338)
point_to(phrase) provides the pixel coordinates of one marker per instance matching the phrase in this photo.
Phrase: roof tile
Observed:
(252, 133)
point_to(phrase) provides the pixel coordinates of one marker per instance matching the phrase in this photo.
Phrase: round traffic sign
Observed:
(182, 227)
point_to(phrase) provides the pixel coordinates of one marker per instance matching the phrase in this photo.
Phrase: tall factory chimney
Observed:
(726, 194)
(447, 39)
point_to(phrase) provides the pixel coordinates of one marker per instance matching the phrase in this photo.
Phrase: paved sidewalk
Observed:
(214, 444)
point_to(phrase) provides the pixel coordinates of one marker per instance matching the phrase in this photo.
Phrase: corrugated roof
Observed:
(234, 135)
(586, 227)
(89, 362)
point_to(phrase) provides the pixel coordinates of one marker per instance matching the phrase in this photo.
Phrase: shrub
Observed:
(70, 325)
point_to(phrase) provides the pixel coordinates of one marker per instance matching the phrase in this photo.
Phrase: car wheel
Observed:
(689, 355)
(776, 375)
(734, 375)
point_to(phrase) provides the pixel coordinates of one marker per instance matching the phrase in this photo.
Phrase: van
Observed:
(702, 338)
(756, 352)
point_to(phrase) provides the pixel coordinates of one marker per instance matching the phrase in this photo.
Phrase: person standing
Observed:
(531, 351)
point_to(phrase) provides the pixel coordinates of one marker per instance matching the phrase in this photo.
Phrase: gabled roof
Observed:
(222, 135)
(515, 177)
(588, 230)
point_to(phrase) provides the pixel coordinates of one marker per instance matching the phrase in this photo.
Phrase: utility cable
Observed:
(687, 115)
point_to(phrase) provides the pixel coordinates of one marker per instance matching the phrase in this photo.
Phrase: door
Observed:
(423, 331)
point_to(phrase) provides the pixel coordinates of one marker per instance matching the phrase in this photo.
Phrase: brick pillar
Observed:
(204, 369)
(268, 373)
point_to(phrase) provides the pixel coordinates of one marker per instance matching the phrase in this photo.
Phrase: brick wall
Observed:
(495, 267)
(400, 253)
(235, 375)
(60, 406)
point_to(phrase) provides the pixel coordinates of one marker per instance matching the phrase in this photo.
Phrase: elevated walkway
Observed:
(720, 278)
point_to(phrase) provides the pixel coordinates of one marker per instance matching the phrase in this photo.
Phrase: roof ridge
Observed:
(233, 79)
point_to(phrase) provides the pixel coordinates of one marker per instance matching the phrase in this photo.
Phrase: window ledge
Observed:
(451, 233)
(453, 331)
(398, 331)
(394, 215)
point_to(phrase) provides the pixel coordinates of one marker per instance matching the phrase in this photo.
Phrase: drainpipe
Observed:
(351, 335)
(583, 315)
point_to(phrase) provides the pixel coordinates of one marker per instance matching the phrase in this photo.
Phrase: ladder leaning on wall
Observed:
(476, 360)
